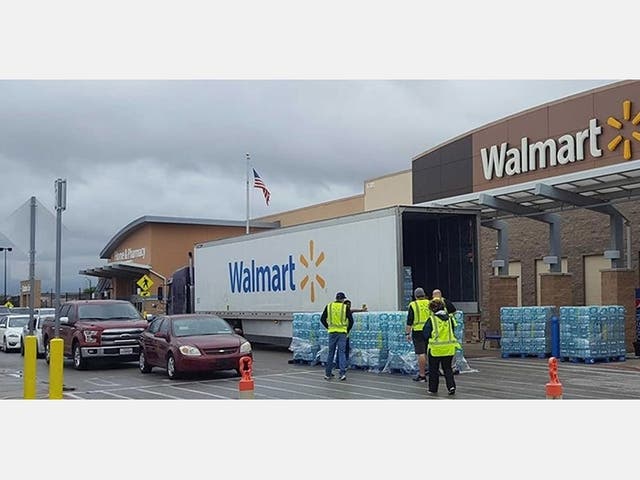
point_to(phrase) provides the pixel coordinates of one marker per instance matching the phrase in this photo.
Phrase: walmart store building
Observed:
(557, 187)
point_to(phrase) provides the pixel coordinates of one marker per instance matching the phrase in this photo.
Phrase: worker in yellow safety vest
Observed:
(417, 317)
(450, 307)
(338, 320)
(441, 346)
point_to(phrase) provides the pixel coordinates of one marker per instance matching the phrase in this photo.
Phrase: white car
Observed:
(37, 331)
(11, 327)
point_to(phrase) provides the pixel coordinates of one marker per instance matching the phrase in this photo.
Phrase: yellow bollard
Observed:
(29, 370)
(56, 365)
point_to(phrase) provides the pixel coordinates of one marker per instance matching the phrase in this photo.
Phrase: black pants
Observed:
(434, 367)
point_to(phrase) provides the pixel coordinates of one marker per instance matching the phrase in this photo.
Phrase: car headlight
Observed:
(245, 347)
(189, 351)
(90, 336)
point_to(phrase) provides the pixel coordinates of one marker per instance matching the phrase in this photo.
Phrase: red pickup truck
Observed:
(96, 329)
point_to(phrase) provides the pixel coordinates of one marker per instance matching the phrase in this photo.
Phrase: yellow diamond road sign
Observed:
(8, 304)
(145, 283)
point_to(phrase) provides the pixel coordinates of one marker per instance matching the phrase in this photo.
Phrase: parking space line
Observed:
(293, 391)
(100, 382)
(143, 390)
(107, 392)
(198, 391)
(346, 387)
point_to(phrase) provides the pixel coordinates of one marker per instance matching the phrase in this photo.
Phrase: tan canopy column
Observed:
(618, 288)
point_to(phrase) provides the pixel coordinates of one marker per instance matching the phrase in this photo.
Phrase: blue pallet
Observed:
(592, 360)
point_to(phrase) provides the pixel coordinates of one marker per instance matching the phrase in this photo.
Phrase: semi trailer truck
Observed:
(258, 281)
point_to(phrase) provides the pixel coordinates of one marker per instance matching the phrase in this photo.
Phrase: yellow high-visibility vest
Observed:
(337, 317)
(442, 342)
(420, 313)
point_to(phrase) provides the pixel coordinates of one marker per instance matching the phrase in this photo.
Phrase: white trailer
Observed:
(258, 281)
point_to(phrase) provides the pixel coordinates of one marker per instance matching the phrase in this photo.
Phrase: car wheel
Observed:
(142, 363)
(79, 363)
(21, 347)
(171, 367)
(4, 345)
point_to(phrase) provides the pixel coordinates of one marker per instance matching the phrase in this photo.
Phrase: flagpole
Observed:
(247, 229)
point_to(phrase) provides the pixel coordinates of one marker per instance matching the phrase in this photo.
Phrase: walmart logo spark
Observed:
(312, 277)
(617, 124)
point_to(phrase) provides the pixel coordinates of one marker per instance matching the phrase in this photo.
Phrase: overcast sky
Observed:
(130, 148)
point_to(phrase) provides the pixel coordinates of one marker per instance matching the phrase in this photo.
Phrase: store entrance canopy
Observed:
(596, 189)
(118, 270)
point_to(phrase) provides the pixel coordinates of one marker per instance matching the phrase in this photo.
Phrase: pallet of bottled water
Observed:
(401, 356)
(368, 345)
(592, 333)
(526, 331)
(459, 362)
(306, 335)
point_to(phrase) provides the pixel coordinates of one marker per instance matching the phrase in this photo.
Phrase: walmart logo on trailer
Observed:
(249, 278)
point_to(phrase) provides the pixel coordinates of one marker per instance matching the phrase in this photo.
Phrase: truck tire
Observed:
(142, 363)
(172, 373)
(79, 363)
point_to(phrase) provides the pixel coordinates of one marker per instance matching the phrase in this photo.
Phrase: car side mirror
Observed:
(161, 335)
(150, 317)
(64, 319)
(238, 330)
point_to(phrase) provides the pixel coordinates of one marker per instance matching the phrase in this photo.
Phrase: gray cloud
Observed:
(156, 147)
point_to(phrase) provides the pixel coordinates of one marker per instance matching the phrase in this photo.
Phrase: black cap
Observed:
(340, 296)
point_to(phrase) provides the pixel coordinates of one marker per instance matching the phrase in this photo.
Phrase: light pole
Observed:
(5, 250)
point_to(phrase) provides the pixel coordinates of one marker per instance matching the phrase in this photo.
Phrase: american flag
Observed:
(258, 183)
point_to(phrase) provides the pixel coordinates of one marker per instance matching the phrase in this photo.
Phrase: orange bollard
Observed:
(246, 382)
(554, 387)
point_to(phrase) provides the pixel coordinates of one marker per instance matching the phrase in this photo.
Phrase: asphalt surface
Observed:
(490, 377)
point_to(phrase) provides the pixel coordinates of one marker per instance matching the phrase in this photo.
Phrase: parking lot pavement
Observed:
(491, 377)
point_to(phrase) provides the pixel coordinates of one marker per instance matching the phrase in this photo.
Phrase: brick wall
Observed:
(502, 292)
(556, 289)
(618, 288)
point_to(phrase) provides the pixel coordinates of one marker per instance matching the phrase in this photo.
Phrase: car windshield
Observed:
(186, 327)
(20, 321)
(108, 311)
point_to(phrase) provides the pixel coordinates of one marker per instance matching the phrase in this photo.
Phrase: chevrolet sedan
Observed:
(192, 343)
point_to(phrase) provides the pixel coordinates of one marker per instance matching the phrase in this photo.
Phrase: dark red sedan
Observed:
(191, 343)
